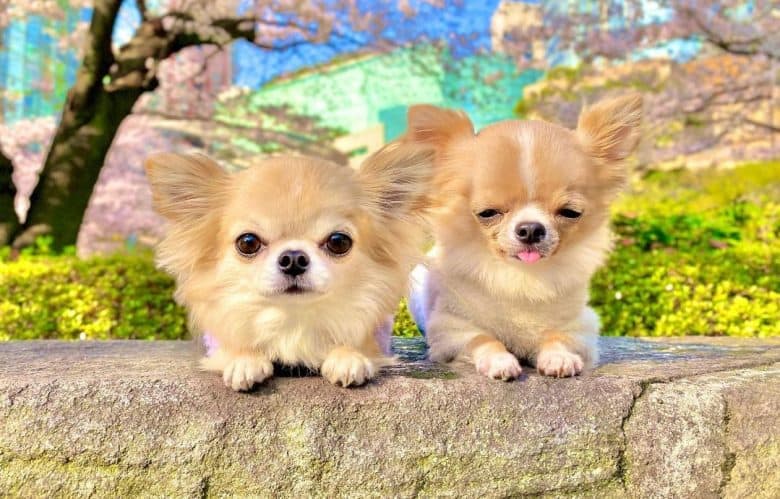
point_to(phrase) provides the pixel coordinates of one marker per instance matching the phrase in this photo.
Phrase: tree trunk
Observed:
(89, 122)
(73, 165)
(9, 223)
(106, 89)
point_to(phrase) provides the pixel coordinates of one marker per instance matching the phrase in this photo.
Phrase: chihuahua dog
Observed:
(294, 260)
(521, 226)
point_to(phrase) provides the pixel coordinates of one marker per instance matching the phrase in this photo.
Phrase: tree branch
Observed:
(752, 45)
(98, 56)
(158, 38)
(769, 126)
(290, 140)
(142, 8)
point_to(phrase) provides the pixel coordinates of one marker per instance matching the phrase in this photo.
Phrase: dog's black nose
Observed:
(293, 262)
(530, 232)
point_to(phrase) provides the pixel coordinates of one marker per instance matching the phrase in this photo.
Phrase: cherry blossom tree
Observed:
(612, 29)
(722, 102)
(110, 81)
(177, 40)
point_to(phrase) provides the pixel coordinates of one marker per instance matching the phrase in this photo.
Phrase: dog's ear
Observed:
(184, 186)
(396, 178)
(436, 126)
(609, 131)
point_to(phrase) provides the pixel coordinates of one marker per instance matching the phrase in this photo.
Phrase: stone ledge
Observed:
(676, 417)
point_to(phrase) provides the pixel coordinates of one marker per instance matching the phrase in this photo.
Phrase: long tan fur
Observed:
(292, 203)
(485, 295)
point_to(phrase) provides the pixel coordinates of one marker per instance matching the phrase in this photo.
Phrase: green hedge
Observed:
(64, 297)
(696, 254)
(662, 293)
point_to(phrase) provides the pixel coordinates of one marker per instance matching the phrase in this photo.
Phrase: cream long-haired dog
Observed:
(522, 227)
(295, 260)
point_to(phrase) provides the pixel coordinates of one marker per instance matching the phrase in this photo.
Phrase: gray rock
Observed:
(665, 418)
(707, 436)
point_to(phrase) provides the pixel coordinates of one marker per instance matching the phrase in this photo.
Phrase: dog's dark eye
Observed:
(569, 213)
(338, 243)
(248, 244)
(488, 214)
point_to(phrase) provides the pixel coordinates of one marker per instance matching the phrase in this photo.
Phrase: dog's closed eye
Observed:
(488, 214)
(569, 213)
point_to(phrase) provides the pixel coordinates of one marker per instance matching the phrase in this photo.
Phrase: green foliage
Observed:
(693, 120)
(568, 73)
(404, 324)
(669, 293)
(43, 246)
(588, 83)
(697, 254)
(523, 107)
(45, 296)
(48, 296)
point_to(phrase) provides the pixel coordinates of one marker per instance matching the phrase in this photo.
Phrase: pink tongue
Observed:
(529, 256)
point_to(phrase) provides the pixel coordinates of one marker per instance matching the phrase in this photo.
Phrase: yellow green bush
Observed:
(697, 254)
(99, 298)
(663, 293)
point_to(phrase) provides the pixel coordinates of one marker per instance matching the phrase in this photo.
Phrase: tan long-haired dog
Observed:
(294, 260)
(523, 226)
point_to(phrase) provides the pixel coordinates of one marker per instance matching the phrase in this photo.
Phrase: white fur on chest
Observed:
(517, 305)
(291, 334)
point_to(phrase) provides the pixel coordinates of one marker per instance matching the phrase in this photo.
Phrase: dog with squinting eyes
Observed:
(521, 225)
(295, 260)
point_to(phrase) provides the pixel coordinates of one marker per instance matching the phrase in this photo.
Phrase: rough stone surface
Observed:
(664, 418)
(687, 437)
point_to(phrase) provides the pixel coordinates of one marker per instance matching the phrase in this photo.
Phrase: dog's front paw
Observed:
(559, 362)
(347, 367)
(242, 373)
(499, 365)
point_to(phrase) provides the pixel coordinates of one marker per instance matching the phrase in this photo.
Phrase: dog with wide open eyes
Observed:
(522, 224)
(294, 260)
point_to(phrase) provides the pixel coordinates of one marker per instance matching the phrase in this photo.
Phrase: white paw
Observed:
(559, 362)
(242, 373)
(345, 367)
(501, 365)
